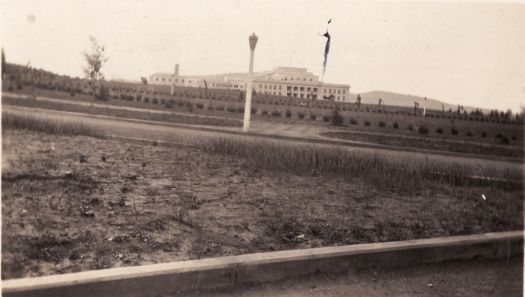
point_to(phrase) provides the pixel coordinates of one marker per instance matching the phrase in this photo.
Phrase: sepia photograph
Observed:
(262, 148)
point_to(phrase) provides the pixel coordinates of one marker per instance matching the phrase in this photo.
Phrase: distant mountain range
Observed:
(390, 98)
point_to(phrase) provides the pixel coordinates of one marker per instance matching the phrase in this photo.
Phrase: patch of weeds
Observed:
(285, 229)
(48, 248)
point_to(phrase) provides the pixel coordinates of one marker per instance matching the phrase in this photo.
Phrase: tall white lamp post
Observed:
(248, 107)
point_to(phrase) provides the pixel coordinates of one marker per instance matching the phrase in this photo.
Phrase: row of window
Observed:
(298, 78)
(334, 91)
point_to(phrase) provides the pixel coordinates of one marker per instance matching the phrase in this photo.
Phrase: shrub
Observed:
(353, 121)
(313, 116)
(423, 130)
(454, 131)
(220, 107)
(276, 113)
(439, 130)
(366, 123)
(240, 109)
(395, 125)
(169, 104)
(254, 110)
(336, 119)
(288, 113)
(300, 115)
(382, 124)
(231, 109)
(102, 93)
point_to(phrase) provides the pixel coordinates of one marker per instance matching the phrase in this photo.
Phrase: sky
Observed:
(468, 53)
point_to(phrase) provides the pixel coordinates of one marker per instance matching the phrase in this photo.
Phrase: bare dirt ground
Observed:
(459, 278)
(79, 203)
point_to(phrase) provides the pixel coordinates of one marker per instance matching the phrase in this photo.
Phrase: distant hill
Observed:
(390, 98)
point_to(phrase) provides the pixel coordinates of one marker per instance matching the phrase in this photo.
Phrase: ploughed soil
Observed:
(81, 203)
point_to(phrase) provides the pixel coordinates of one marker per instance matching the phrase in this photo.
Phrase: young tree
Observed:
(95, 59)
(358, 101)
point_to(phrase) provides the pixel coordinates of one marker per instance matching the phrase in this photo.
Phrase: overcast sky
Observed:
(469, 53)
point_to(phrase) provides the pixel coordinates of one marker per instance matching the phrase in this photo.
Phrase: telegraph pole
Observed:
(248, 107)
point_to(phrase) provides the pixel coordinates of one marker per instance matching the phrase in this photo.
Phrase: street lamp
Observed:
(248, 107)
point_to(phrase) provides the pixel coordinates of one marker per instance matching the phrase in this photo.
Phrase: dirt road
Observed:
(181, 133)
(461, 278)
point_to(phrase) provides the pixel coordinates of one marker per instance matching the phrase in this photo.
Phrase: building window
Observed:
(289, 88)
(280, 87)
(302, 89)
(295, 88)
(308, 89)
(302, 95)
(315, 89)
(163, 79)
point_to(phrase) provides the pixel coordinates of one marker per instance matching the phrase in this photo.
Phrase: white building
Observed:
(283, 81)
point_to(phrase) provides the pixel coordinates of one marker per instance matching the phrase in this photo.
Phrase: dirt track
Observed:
(179, 133)
(460, 278)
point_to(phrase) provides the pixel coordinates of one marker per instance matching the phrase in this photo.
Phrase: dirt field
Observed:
(79, 203)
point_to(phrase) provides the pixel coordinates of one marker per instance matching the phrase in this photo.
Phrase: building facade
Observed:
(281, 81)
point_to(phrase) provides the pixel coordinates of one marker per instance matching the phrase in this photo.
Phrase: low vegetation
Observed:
(49, 126)
(381, 171)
